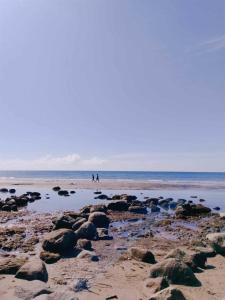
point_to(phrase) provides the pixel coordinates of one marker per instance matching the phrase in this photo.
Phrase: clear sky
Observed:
(112, 84)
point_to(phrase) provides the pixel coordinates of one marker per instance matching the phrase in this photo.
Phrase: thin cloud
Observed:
(212, 45)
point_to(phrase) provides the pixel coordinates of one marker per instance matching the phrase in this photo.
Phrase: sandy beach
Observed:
(112, 184)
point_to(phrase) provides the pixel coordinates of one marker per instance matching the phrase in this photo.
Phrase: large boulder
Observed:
(98, 207)
(217, 242)
(155, 285)
(137, 209)
(176, 272)
(99, 219)
(64, 221)
(33, 270)
(120, 205)
(84, 244)
(59, 241)
(87, 231)
(141, 254)
(10, 265)
(188, 210)
(49, 257)
(79, 221)
(169, 293)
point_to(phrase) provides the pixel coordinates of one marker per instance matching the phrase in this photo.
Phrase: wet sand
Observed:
(111, 184)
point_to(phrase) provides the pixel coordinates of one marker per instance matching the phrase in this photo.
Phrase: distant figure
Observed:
(93, 177)
(97, 178)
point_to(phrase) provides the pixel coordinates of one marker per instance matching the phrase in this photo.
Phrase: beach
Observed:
(137, 214)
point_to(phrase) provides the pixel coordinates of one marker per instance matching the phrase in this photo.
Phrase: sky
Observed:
(112, 85)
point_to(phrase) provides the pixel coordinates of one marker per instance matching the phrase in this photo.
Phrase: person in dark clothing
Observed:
(93, 177)
(97, 178)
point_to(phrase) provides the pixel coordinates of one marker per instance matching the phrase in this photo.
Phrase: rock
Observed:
(173, 205)
(164, 203)
(56, 188)
(4, 190)
(33, 270)
(103, 234)
(155, 209)
(138, 209)
(10, 265)
(63, 193)
(6, 208)
(128, 198)
(168, 294)
(141, 254)
(192, 259)
(120, 205)
(90, 255)
(65, 295)
(155, 285)
(98, 207)
(87, 231)
(64, 221)
(151, 201)
(49, 257)
(12, 191)
(78, 223)
(217, 242)
(216, 208)
(59, 241)
(201, 200)
(102, 197)
(72, 192)
(33, 289)
(80, 284)
(191, 210)
(99, 219)
(176, 272)
(84, 244)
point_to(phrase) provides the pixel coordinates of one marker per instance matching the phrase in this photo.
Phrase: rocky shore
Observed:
(121, 248)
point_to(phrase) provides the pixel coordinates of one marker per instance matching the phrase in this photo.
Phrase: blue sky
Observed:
(127, 85)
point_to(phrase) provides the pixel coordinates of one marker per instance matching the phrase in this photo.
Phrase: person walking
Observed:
(97, 178)
(93, 177)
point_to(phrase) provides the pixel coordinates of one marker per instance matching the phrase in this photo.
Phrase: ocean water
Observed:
(116, 175)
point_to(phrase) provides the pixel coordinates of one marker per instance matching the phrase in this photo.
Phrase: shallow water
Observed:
(82, 197)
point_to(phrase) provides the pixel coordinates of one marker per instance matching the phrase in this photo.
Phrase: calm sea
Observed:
(116, 175)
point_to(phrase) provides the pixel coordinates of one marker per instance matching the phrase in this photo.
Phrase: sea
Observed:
(116, 175)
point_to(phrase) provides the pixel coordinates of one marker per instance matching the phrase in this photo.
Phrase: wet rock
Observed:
(138, 209)
(201, 200)
(97, 193)
(176, 272)
(151, 201)
(56, 188)
(64, 221)
(181, 201)
(10, 265)
(84, 244)
(4, 190)
(217, 242)
(80, 221)
(87, 231)
(49, 257)
(102, 197)
(191, 210)
(155, 209)
(99, 219)
(98, 207)
(33, 270)
(216, 208)
(12, 191)
(59, 241)
(119, 205)
(63, 193)
(6, 208)
(155, 285)
(90, 255)
(169, 293)
(173, 205)
(72, 192)
(141, 254)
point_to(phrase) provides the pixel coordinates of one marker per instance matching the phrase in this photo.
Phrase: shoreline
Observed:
(111, 184)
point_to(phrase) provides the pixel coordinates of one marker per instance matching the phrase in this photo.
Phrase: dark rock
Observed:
(63, 193)
(56, 188)
(192, 210)
(169, 293)
(72, 192)
(84, 244)
(119, 205)
(87, 231)
(141, 254)
(98, 207)
(102, 197)
(138, 209)
(155, 209)
(79, 221)
(59, 241)
(155, 285)
(64, 221)
(216, 208)
(4, 190)
(49, 257)
(103, 234)
(99, 219)
(12, 191)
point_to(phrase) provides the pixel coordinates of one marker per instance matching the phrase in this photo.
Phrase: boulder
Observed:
(12, 191)
(137, 209)
(87, 231)
(99, 219)
(84, 244)
(169, 293)
(119, 205)
(64, 221)
(176, 272)
(33, 270)
(141, 254)
(63, 193)
(79, 221)
(155, 209)
(56, 188)
(10, 265)
(59, 241)
(188, 209)
(49, 257)
(102, 197)
(217, 242)
(98, 207)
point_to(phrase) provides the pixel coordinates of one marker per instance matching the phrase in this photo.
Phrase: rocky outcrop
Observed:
(176, 272)
(99, 219)
(188, 210)
(33, 270)
(120, 205)
(141, 254)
